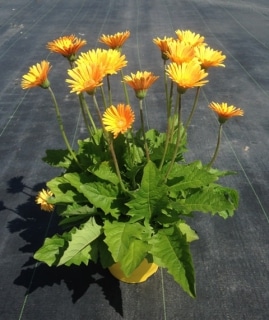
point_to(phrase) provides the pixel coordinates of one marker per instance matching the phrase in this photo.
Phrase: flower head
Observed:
(163, 44)
(140, 82)
(209, 57)
(187, 75)
(180, 52)
(67, 46)
(118, 119)
(115, 41)
(85, 78)
(224, 111)
(42, 199)
(37, 76)
(110, 60)
(190, 37)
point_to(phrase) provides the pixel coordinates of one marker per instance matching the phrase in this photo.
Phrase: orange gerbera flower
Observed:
(111, 60)
(209, 57)
(42, 199)
(224, 111)
(187, 75)
(118, 120)
(140, 82)
(115, 41)
(85, 78)
(68, 46)
(37, 76)
(180, 52)
(190, 37)
(162, 44)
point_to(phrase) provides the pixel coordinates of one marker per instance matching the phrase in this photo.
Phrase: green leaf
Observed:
(78, 248)
(170, 250)
(192, 175)
(49, 251)
(58, 158)
(102, 195)
(213, 199)
(127, 243)
(105, 171)
(190, 234)
(151, 196)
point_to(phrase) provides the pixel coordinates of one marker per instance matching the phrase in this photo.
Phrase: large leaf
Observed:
(170, 250)
(78, 250)
(58, 158)
(213, 199)
(151, 196)
(193, 175)
(105, 171)
(48, 253)
(100, 194)
(127, 243)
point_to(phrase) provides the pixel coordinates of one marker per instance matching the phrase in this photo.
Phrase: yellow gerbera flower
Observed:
(140, 82)
(180, 52)
(111, 60)
(162, 44)
(37, 76)
(224, 111)
(118, 120)
(67, 46)
(85, 78)
(190, 37)
(42, 199)
(187, 75)
(115, 41)
(209, 57)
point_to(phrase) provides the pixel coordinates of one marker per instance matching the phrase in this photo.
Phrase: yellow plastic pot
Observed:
(140, 274)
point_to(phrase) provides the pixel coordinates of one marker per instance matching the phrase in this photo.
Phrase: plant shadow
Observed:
(33, 225)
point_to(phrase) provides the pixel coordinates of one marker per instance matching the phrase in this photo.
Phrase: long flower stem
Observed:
(170, 125)
(125, 89)
(60, 122)
(110, 144)
(178, 136)
(143, 128)
(109, 90)
(217, 147)
(193, 108)
(85, 111)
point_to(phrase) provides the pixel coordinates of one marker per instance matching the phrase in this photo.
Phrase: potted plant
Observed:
(125, 197)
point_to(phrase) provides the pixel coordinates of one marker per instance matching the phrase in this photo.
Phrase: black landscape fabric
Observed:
(232, 256)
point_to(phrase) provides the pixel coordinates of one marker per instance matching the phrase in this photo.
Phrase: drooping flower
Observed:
(111, 60)
(67, 46)
(118, 119)
(189, 37)
(140, 82)
(42, 199)
(224, 111)
(209, 57)
(85, 78)
(37, 76)
(187, 75)
(116, 40)
(162, 44)
(180, 52)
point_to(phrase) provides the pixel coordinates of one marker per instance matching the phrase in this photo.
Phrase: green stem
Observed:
(60, 122)
(143, 128)
(193, 108)
(217, 147)
(125, 89)
(109, 90)
(85, 111)
(104, 97)
(178, 105)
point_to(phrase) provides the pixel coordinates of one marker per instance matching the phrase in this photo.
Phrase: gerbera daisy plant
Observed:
(124, 196)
